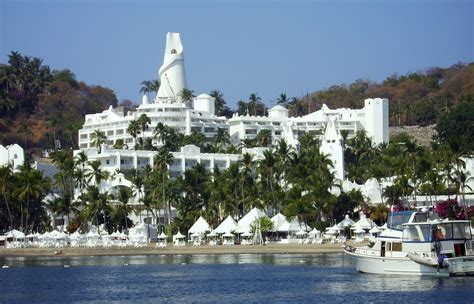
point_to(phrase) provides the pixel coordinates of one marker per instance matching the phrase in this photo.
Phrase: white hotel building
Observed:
(169, 109)
(373, 118)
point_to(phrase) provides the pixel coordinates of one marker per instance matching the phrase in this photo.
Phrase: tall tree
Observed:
(143, 121)
(162, 160)
(134, 129)
(98, 138)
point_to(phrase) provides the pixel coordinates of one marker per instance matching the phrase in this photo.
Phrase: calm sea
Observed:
(240, 278)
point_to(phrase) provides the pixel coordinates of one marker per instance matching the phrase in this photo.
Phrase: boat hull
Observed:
(390, 265)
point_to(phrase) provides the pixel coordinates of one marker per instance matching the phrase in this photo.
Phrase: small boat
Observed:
(418, 243)
(423, 259)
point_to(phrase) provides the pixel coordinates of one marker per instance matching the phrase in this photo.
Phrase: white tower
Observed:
(332, 145)
(376, 119)
(172, 74)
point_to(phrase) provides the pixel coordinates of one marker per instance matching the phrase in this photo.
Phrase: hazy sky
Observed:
(240, 47)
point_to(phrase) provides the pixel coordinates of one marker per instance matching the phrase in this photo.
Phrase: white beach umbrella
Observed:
(228, 234)
(346, 222)
(162, 236)
(178, 236)
(301, 232)
(314, 232)
(227, 225)
(278, 220)
(212, 234)
(244, 223)
(200, 226)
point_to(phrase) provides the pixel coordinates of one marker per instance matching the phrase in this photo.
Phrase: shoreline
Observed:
(170, 250)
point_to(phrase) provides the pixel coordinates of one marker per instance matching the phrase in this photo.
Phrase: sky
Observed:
(240, 47)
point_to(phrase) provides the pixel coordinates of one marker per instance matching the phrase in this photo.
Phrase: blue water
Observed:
(249, 278)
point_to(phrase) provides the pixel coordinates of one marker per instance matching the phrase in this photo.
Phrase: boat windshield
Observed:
(396, 219)
(437, 232)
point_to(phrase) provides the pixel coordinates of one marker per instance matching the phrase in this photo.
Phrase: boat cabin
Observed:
(451, 238)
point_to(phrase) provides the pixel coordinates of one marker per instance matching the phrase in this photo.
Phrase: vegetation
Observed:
(42, 108)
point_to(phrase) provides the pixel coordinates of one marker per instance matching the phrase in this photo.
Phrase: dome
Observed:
(278, 112)
(204, 96)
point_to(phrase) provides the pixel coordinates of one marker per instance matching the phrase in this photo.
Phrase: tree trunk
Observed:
(8, 208)
(27, 210)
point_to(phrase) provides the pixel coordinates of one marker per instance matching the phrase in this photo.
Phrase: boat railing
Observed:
(385, 253)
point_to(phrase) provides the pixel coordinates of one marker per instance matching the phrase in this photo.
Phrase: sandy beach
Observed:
(170, 250)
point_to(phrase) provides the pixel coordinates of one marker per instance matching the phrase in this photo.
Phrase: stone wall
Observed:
(423, 135)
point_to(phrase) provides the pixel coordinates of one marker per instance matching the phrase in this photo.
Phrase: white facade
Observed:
(12, 154)
(373, 118)
(190, 155)
(331, 144)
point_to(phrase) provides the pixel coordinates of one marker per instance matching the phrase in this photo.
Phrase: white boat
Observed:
(418, 243)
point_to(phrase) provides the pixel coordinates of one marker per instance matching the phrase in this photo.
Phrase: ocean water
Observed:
(239, 278)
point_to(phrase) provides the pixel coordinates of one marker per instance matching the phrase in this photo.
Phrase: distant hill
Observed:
(44, 108)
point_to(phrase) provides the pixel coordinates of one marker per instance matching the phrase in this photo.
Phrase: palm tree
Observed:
(221, 140)
(186, 95)
(149, 86)
(119, 144)
(80, 176)
(220, 105)
(97, 203)
(133, 129)
(6, 184)
(247, 180)
(155, 85)
(123, 196)
(283, 99)
(146, 87)
(32, 186)
(143, 121)
(267, 167)
(98, 138)
(63, 206)
(64, 161)
(264, 138)
(95, 172)
(81, 159)
(161, 132)
(162, 160)
(254, 99)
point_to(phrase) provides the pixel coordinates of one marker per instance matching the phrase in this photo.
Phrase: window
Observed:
(107, 162)
(396, 246)
(15, 156)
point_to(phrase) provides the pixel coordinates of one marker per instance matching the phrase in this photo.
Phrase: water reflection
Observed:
(216, 278)
(321, 260)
